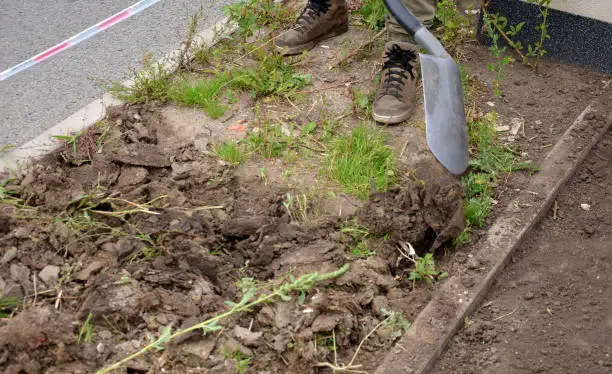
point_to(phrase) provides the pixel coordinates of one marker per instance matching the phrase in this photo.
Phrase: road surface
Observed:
(38, 98)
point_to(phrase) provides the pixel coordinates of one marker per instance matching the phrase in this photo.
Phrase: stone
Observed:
(9, 255)
(246, 337)
(529, 296)
(132, 176)
(49, 275)
(585, 207)
(379, 303)
(91, 269)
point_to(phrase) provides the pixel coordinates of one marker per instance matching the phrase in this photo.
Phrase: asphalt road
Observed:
(40, 97)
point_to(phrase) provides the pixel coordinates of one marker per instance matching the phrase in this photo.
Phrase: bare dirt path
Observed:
(551, 310)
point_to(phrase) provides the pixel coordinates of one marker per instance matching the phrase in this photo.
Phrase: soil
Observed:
(196, 225)
(550, 311)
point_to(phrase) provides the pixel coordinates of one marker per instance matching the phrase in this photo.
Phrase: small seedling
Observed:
(86, 331)
(7, 305)
(297, 206)
(242, 360)
(263, 176)
(9, 196)
(70, 140)
(425, 270)
(451, 22)
(395, 322)
(358, 234)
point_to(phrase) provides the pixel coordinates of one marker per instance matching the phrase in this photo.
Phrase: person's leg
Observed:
(395, 94)
(320, 19)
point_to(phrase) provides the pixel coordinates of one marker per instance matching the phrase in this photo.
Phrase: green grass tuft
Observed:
(357, 158)
(373, 13)
(203, 94)
(230, 151)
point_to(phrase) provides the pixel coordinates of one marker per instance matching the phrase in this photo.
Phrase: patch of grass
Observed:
(425, 270)
(490, 160)
(230, 151)
(271, 140)
(7, 305)
(204, 94)
(86, 331)
(271, 76)
(151, 83)
(356, 159)
(373, 13)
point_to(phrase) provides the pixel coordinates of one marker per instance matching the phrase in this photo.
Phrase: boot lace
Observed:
(398, 62)
(311, 12)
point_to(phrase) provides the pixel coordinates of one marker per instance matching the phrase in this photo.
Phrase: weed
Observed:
(203, 94)
(451, 22)
(491, 159)
(86, 331)
(251, 15)
(297, 206)
(263, 175)
(70, 140)
(497, 25)
(9, 196)
(357, 234)
(5, 148)
(356, 159)
(491, 25)
(7, 305)
(363, 102)
(271, 141)
(229, 151)
(242, 360)
(463, 238)
(281, 292)
(395, 322)
(373, 13)
(425, 270)
(149, 84)
(466, 322)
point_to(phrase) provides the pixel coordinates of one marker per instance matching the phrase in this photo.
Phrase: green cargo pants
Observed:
(424, 10)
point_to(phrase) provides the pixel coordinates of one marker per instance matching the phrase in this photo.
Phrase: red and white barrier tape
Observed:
(83, 35)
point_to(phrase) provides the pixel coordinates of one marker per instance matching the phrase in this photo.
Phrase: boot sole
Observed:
(296, 50)
(392, 120)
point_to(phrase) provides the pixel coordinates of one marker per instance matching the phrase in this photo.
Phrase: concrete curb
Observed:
(419, 349)
(16, 160)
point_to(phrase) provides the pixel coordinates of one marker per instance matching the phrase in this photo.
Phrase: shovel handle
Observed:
(412, 24)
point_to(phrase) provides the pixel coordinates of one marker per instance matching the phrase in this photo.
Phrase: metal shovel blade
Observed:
(446, 128)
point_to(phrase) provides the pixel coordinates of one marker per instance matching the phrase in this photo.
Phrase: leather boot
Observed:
(320, 19)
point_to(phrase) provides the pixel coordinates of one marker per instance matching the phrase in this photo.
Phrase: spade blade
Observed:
(446, 128)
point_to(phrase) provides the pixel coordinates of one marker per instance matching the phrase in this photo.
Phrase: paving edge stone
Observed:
(461, 294)
(14, 162)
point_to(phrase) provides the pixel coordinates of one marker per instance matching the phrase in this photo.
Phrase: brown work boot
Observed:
(395, 95)
(320, 19)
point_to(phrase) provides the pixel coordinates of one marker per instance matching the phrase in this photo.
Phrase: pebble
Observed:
(529, 296)
(9, 255)
(49, 275)
(100, 347)
(586, 207)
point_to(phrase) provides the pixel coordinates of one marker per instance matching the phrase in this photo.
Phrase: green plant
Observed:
(9, 196)
(363, 102)
(498, 25)
(395, 322)
(204, 94)
(70, 140)
(151, 83)
(229, 151)
(242, 360)
(357, 234)
(7, 305)
(282, 292)
(451, 22)
(86, 331)
(373, 13)
(251, 15)
(5, 148)
(271, 140)
(490, 160)
(357, 158)
(297, 206)
(491, 25)
(425, 270)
